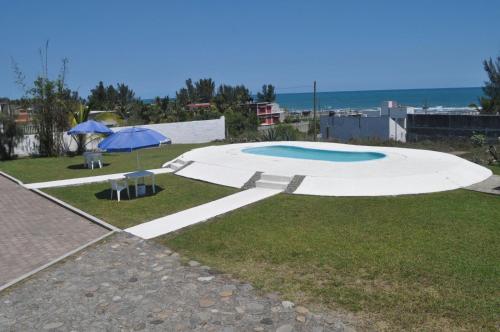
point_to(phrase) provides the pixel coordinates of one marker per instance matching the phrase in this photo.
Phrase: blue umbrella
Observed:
(90, 127)
(130, 139)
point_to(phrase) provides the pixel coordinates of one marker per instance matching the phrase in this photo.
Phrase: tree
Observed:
(205, 90)
(51, 102)
(10, 134)
(191, 91)
(267, 94)
(125, 98)
(491, 102)
(98, 99)
(111, 98)
(202, 91)
(78, 115)
(164, 103)
(232, 97)
(182, 98)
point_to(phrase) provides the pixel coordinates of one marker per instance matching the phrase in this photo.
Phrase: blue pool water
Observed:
(296, 152)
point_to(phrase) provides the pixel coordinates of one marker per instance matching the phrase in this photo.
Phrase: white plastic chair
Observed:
(92, 158)
(85, 159)
(118, 185)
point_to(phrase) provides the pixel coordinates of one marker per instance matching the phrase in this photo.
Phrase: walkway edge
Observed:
(43, 267)
(65, 205)
(201, 213)
(11, 178)
(84, 214)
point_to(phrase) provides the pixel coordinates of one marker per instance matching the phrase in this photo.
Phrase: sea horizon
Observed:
(434, 98)
(364, 99)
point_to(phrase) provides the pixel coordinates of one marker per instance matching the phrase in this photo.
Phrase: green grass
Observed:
(427, 262)
(495, 169)
(31, 170)
(174, 193)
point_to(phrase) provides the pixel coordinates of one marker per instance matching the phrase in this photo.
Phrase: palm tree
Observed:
(79, 115)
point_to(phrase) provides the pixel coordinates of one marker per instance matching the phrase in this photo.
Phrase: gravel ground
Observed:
(127, 284)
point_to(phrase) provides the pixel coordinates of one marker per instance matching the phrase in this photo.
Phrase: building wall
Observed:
(397, 129)
(344, 128)
(179, 132)
(190, 131)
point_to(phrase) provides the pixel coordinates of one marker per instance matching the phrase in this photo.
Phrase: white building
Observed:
(389, 125)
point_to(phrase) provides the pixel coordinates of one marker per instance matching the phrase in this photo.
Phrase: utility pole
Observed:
(314, 111)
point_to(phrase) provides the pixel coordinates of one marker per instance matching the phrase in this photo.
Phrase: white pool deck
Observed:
(401, 172)
(200, 213)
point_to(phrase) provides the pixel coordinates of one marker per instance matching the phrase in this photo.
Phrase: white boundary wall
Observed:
(179, 132)
(190, 131)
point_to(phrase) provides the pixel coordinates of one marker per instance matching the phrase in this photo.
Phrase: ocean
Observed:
(435, 99)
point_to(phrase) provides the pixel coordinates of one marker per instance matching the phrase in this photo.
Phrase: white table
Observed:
(141, 175)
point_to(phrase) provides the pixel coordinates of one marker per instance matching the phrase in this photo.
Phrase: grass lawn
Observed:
(173, 193)
(426, 262)
(495, 169)
(31, 170)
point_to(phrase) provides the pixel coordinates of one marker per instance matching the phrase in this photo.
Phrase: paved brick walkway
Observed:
(35, 231)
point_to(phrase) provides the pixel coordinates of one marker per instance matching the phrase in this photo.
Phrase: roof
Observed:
(198, 105)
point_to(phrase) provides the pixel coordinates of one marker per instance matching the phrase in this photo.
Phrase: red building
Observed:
(267, 113)
(194, 107)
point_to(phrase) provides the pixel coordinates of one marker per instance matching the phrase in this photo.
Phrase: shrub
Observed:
(10, 135)
(281, 132)
(478, 140)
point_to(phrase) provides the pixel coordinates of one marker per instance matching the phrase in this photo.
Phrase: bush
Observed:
(281, 132)
(478, 140)
(10, 135)
(238, 123)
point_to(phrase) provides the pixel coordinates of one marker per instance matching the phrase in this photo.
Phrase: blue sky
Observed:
(153, 46)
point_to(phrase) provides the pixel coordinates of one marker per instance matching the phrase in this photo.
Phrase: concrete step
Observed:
(271, 184)
(276, 178)
(180, 161)
(175, 165)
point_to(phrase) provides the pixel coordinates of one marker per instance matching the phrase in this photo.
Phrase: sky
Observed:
(154, 46)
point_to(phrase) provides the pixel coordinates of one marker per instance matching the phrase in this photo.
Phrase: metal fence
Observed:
(423, 126)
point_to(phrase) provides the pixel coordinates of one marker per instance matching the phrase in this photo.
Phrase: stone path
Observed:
(35, 231)
(128, 284)
(88, 179)
(200, 213)
(490, 186)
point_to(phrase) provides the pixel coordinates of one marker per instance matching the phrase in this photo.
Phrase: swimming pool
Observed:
(287, 151)
(396, 171)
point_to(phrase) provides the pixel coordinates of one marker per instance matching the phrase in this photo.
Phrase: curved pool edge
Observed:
(402, 172)
(299, 152)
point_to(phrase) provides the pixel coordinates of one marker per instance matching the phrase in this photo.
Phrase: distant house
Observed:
(22, 115)
(195, 107)
(389, 124)
(267, 113)
(4, 105)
